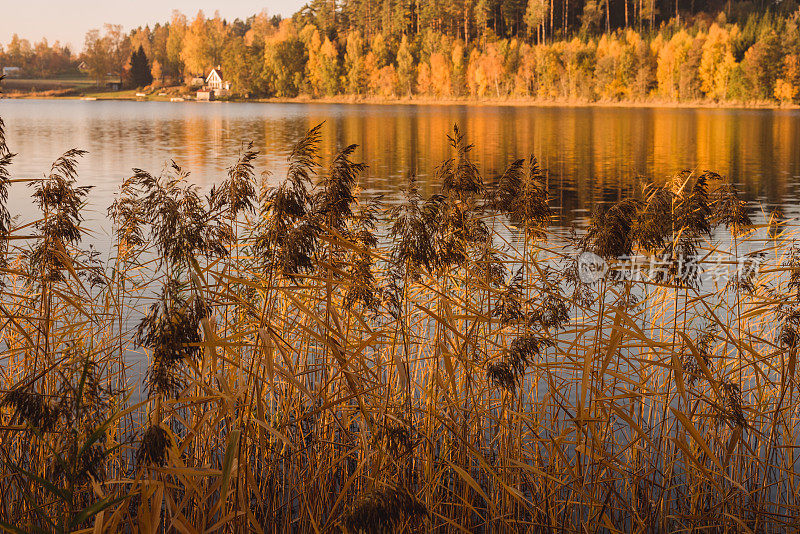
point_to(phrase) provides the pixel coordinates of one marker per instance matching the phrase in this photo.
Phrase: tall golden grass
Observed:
(318, 361)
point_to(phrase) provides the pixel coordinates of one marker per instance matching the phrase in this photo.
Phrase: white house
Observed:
(215, 81)
(11, 72)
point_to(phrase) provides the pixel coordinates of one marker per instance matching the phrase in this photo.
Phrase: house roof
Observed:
(210, 74)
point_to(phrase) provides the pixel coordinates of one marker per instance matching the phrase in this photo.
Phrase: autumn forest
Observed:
(549, 50)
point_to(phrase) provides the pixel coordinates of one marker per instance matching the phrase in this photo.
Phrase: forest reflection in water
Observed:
(591, 154)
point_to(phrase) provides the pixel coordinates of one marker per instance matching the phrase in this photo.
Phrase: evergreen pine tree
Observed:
(140, 68)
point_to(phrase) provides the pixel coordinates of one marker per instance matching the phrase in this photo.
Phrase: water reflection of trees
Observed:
(591, 154)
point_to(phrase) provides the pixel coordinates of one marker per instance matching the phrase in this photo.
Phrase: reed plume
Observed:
(287, 231)
(60, 201)
(654, 225)
(384, 510)
(171, 331)
(237, 192)
(31, 407)
(510, 301)
(180, 222)
(610, 231)
(694, 211)
(508, 372)
(459, 175)
(522, 196)
(360, 265)
(333, 202)
(411, 231)
(153, 449)
(730, 210)
(313, 361)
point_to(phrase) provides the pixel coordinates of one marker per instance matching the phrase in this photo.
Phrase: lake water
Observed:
(591, 154)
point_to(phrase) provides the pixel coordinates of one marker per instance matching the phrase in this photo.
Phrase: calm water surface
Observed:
(591, 154)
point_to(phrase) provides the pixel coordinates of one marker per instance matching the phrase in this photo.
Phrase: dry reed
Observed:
(318, 363)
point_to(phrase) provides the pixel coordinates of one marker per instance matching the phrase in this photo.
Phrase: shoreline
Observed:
(427, 101)
(528, 102)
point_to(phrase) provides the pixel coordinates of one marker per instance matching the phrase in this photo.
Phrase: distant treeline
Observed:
(675, 50)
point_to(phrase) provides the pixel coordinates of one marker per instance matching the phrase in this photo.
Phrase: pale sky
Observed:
(69, 20)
